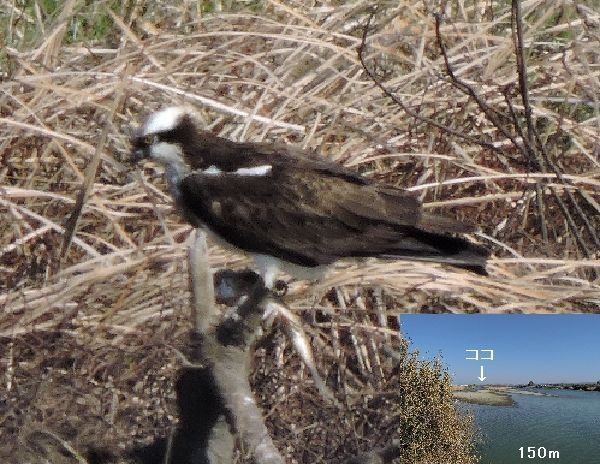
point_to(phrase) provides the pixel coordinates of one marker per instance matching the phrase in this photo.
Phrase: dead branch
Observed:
(90, 174)
(517, 33)
(226, 352)
(203, 310)
(535, 146)
(404, 107)
(491, 114)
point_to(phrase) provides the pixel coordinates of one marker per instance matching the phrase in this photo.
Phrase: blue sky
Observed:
(542, 348)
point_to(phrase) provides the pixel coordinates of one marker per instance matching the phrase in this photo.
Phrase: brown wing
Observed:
(309, 211)
(203, 149)
(301, 215)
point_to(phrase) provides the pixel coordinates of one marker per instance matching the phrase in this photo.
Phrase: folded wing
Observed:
(310, 217)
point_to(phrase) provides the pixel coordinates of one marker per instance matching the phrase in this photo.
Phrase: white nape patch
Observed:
(212, 171)
(255, 171)
(163, 120)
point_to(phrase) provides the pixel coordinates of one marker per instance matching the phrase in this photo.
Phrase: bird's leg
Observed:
(268, 268)
(231, 286)
(244, 292)
(249, 291)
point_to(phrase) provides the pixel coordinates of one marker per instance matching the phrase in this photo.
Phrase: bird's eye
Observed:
(150, 139)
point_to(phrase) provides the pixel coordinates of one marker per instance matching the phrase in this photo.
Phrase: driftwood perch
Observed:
(223, 348)
(214, 394)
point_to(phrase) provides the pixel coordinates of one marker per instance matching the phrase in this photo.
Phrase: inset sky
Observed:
(542, 348)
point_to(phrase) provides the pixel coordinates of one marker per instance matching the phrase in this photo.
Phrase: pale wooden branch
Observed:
(203, 309)
(230, 353)
(226, 349)
(231, 371)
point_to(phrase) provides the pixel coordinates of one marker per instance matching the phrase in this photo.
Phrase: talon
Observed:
(280, 288)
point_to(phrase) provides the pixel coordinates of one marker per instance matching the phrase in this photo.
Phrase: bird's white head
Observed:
(164, 120)
(159, 139)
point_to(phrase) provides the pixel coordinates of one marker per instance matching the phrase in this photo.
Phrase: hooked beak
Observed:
(139, 150)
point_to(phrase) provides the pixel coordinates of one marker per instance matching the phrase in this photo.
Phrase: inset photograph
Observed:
(530, 383)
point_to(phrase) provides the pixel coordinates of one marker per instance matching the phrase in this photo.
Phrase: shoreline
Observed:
(565, 386)
(501, 395)
(484, 396)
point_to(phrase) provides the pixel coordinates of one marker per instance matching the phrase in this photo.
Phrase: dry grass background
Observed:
(92, 258)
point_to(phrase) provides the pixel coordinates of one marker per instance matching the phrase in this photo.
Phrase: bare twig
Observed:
(517, 31)
(534, 142)
(492, 115)
(405, 108)
(43, 438)
(90, 175)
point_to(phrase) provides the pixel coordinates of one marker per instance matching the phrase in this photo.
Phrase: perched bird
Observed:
(291, 209)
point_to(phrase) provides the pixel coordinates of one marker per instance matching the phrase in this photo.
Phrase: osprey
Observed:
(291, 209)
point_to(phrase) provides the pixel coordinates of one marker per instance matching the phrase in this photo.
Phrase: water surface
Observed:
(567, 422)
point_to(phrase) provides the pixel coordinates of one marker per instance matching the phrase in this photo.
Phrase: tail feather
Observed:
(475, 264)
(455, 251)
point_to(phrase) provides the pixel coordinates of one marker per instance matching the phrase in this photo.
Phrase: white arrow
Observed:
(481, 376)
